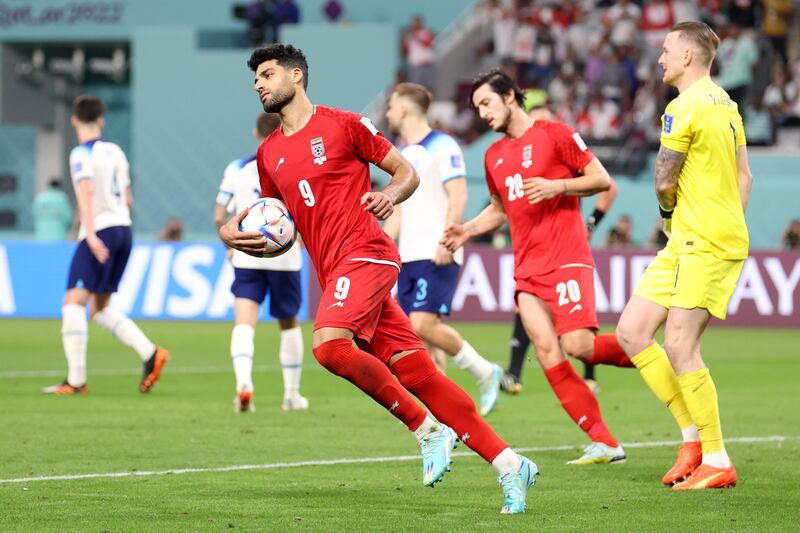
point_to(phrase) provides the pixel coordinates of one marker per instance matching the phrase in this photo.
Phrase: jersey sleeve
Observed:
(80, 166)
(368, 143)
(225, 193)
(738, 128)
(676, 127)
(569, 147)
(124, 171)
(450, 159)
(268, 188)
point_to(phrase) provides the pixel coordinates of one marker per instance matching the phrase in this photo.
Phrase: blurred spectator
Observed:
(581, 37)
(623, 19)
(524, 49)
(742, 12)
(332, 10)
(685, 10)
(620, 235)
(736, 57)
(601, 120)
(658, 238)
(657, 18)
(790, 240)
(173, 231)
(260, 17)
(284, 12)
(775, 25)
(419, 54)
(504, 26)
(782, 99)
(52, 213)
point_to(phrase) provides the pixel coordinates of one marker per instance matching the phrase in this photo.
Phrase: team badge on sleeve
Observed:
(455, 161)
(318, 151)
(668, 123)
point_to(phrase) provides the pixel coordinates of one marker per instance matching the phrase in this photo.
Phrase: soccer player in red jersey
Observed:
(317, 162)
(535, 174)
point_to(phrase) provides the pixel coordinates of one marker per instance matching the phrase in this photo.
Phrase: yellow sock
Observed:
(657, 372)
(700, 395)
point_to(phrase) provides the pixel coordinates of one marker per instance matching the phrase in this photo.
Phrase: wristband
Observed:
(664, 213)
(594, 219)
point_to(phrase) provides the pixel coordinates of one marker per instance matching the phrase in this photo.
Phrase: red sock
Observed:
(448, 403)
(579, 402)
(607, 351)
(364, 371)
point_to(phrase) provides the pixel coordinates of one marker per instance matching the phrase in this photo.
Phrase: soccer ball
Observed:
(270, 217)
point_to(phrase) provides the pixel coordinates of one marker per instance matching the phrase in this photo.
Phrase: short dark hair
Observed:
(266, 124)
(88, 108)
(700, 34)
(416, 93)
(500, 82)
(286, 55)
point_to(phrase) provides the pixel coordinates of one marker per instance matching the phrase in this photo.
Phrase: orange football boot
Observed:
(152, 369)
(709, 477)
(243, 403)
(690, 455)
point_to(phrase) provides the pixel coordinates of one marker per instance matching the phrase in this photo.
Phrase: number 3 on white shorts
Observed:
(568, 292)
(342, 288)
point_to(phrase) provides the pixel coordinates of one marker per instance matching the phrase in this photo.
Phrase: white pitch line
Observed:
(363, 460)
(18, 374)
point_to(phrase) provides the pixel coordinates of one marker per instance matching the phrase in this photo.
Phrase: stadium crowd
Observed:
(594, 62)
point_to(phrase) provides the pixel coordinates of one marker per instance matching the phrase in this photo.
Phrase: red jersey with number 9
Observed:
(320, 173)
(550, 234)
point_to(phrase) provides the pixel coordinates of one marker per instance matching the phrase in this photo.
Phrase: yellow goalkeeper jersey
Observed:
(704, 123)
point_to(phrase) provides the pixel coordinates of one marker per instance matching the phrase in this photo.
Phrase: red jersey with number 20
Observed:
(320, 173)
(550, 234)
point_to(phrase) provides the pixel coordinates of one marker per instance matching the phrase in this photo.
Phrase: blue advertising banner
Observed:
(177, 281)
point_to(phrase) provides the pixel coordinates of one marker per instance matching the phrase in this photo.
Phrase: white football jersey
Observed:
(437, 159)
(240, 188)
(104, 163)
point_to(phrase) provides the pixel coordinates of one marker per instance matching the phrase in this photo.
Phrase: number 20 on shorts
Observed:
(568, 291)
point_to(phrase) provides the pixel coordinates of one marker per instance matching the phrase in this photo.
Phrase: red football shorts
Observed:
(357, 296)
(569, 293)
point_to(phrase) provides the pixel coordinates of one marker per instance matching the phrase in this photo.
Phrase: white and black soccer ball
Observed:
(270, 217)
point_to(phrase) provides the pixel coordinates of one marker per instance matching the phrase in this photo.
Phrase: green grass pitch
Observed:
(187, 422)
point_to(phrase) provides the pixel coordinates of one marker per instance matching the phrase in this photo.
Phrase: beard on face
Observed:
(278, 100)
(503, 126)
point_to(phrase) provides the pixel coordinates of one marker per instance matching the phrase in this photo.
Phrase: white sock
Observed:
(690, 433)
(291, 357)
(242, 348)
(717, 459)
(506, 461)
(472, 362)
(75, 337)
(429, 425)
(124, 329)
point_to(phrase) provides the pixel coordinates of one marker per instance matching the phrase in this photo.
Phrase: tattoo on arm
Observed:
(668, 168)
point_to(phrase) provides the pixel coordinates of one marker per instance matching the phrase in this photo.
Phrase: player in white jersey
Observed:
(102, 185)
(254, 277)
(428, 280)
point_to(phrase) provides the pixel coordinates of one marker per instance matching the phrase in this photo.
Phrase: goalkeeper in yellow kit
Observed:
(703, 184)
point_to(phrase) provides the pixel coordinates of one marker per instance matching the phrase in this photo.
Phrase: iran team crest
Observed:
(527, 155)
(318, 151)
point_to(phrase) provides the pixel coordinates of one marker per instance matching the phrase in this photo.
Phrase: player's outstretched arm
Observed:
(403, 183)
(668, 168)
(249, 242)
(745, 176)
(490, 219)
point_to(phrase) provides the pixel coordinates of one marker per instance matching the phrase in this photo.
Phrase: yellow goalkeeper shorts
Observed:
(689, 280)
